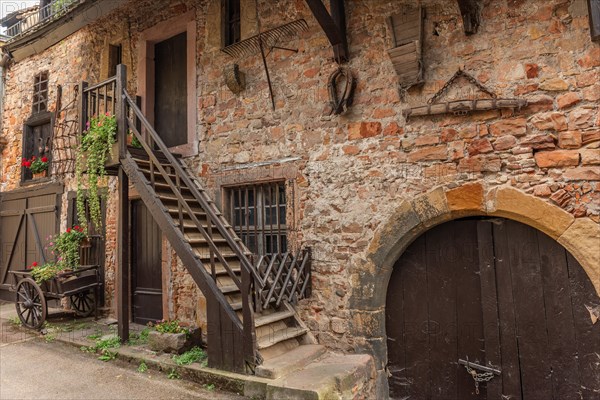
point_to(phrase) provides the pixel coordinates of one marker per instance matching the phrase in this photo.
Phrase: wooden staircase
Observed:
(250, 318)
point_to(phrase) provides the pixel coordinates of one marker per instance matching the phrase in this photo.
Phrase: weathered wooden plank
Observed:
(404, 49)
(466, 105)
(416, 320)
(530, 314)
(562, 340)
(442, 324)
(394, 327)
(489, 306)
(594, 18)
(583, 295)
(464, 268)
(511, 377)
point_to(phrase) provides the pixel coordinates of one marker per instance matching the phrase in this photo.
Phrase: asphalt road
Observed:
(31, 368)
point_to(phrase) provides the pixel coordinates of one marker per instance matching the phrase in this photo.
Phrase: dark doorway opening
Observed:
(146, 266)
(170, 104)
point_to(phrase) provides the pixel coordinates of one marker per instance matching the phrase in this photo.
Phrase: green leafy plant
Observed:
(59, 5)
(66, 247)
(42, 273)
(139, 338)
(167, 326)
(93, 151)
(196, 354)
(173, 374)
(103, 347)
(135, 143)
(143, 367)
(209, 386)
(15, 321)
(36, 164)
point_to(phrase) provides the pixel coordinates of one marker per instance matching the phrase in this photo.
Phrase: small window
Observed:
(258, 216)
(37, 133)
(115, 57)
(40, 93)
(231, 22)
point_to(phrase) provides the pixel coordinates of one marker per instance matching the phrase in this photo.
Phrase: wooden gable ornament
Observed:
(406, 29)
(463, 107)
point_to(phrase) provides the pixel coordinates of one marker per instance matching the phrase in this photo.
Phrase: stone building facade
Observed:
(362, 185)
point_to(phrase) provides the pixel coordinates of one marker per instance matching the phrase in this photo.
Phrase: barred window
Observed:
(40, 93)
(258, 215)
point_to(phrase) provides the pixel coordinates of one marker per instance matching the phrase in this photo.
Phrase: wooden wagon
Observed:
(81, 286)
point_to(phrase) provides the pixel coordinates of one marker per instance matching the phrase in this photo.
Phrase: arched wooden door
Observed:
(506, 296)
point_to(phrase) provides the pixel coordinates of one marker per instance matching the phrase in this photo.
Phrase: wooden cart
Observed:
(81, 286)
(31, 300)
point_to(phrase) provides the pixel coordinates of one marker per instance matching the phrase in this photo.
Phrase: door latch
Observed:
(486, 375)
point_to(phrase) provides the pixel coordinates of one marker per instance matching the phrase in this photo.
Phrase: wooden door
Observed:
(170, 104)
(502, 294)
(146, 265)
(27, 218)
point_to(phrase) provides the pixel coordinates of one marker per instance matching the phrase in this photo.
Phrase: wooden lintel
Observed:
(461, 107)
(471, 15)
(334, 25)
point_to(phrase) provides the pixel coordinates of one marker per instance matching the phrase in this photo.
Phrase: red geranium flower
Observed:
(24, 163)
(35, 264)
(28, 164)
(68, 230)
(44, 159)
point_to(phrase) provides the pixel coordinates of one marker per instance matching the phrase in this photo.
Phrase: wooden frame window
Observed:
(258, 216)
(40, 93)
(37, 136)
(232, 26)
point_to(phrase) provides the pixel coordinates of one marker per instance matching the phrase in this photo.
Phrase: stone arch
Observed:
(581, 237)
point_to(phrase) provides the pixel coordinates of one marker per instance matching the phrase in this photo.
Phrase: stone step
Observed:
(270, 318)
(280, 336)
(291, 361)
(331, 377)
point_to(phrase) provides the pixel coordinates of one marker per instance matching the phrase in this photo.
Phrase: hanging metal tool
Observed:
(264, 43)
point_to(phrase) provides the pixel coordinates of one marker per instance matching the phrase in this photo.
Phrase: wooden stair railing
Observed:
(232, 343)
(249, 314)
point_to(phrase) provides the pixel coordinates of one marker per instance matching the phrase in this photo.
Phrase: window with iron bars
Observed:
(40, 93)
(258, 216)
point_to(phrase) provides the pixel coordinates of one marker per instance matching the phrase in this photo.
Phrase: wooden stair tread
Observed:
(229, 289)
(280, 336)
(270, 318)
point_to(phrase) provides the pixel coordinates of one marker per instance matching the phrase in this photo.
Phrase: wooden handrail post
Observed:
(82, 106)
(123, 309)
(249, 346)
(121, 110)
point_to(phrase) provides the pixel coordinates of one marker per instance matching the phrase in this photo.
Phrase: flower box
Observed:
(174, 342)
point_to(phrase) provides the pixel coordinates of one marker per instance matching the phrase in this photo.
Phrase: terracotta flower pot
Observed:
(42, 174)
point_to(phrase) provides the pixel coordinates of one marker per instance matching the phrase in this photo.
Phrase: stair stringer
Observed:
(190, 260)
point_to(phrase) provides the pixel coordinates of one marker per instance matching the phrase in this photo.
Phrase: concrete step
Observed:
(332, 377)
(291, 361)
(270, 318)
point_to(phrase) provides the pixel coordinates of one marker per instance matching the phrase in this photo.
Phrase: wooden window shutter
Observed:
(406, 29)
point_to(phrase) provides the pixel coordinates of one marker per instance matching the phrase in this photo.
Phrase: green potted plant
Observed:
(169, 336)
(37, 165)
(96, 147)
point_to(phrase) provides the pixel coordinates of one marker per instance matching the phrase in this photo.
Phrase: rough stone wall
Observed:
(349, 173)
(355, 169)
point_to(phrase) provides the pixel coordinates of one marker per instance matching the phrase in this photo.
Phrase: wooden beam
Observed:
(123, 285)
(471, 15)
(594, 16)
(334, 25)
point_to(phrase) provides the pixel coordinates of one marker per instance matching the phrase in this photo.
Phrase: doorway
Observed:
(505, 296)
(170, 103)
(167, 81)
(146, 266)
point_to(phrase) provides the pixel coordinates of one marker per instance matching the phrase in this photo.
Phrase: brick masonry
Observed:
(351, 174)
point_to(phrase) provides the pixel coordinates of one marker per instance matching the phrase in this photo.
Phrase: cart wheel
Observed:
(83, 303)
(31, 304)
